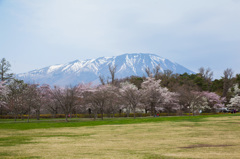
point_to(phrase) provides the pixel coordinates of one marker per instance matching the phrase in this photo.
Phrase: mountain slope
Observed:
(89, 70)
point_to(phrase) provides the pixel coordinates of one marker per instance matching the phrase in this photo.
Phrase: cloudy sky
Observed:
(193, 33)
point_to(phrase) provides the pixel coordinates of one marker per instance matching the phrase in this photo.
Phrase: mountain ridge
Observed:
(89, 70)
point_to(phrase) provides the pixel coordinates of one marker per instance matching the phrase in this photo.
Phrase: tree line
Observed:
(157, 92)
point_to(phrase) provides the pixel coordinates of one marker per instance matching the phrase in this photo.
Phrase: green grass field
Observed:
(215, 136)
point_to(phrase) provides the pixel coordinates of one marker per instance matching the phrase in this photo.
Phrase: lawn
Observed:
(215, 136)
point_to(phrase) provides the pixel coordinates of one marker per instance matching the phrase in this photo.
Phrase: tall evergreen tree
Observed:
(4, 69)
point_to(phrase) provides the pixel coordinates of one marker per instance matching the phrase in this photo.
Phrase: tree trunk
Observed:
(180, 111)
(66, 117)
(89, 112)
(21, 116)
(193, 111)
(53, 115)
(95, 116)
(102, 114)
(128, 112)
(28, 116)
(151, 110)
(28, 113)
(134, 113)
(56, 112)
(38, 114)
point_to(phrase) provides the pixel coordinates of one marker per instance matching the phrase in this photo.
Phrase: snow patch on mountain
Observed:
(85, 71)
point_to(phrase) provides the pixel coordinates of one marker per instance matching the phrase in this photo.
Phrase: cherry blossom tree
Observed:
(213, 101)
(153, 94)
(3, 95)
(98, 98)
(35, 98)
(48, 100)
(82, 88)
(114, 102)
(42, 97)
(183, 92)
(67, 98)
(15, 97)
(234, 102)
(170, 102)
(190, 100)
(195, 102)
(131, 96)
(235, 89)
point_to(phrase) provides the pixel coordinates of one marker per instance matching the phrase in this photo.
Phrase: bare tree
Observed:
(227, 81)
(112, 70)
(102, 79)
(156, 71)
(207, 75)
(167, 79)
(148, 72)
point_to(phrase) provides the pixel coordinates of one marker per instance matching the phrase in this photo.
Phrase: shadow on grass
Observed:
(14, 140)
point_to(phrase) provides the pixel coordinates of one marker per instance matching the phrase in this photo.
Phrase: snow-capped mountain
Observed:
(89, 70)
